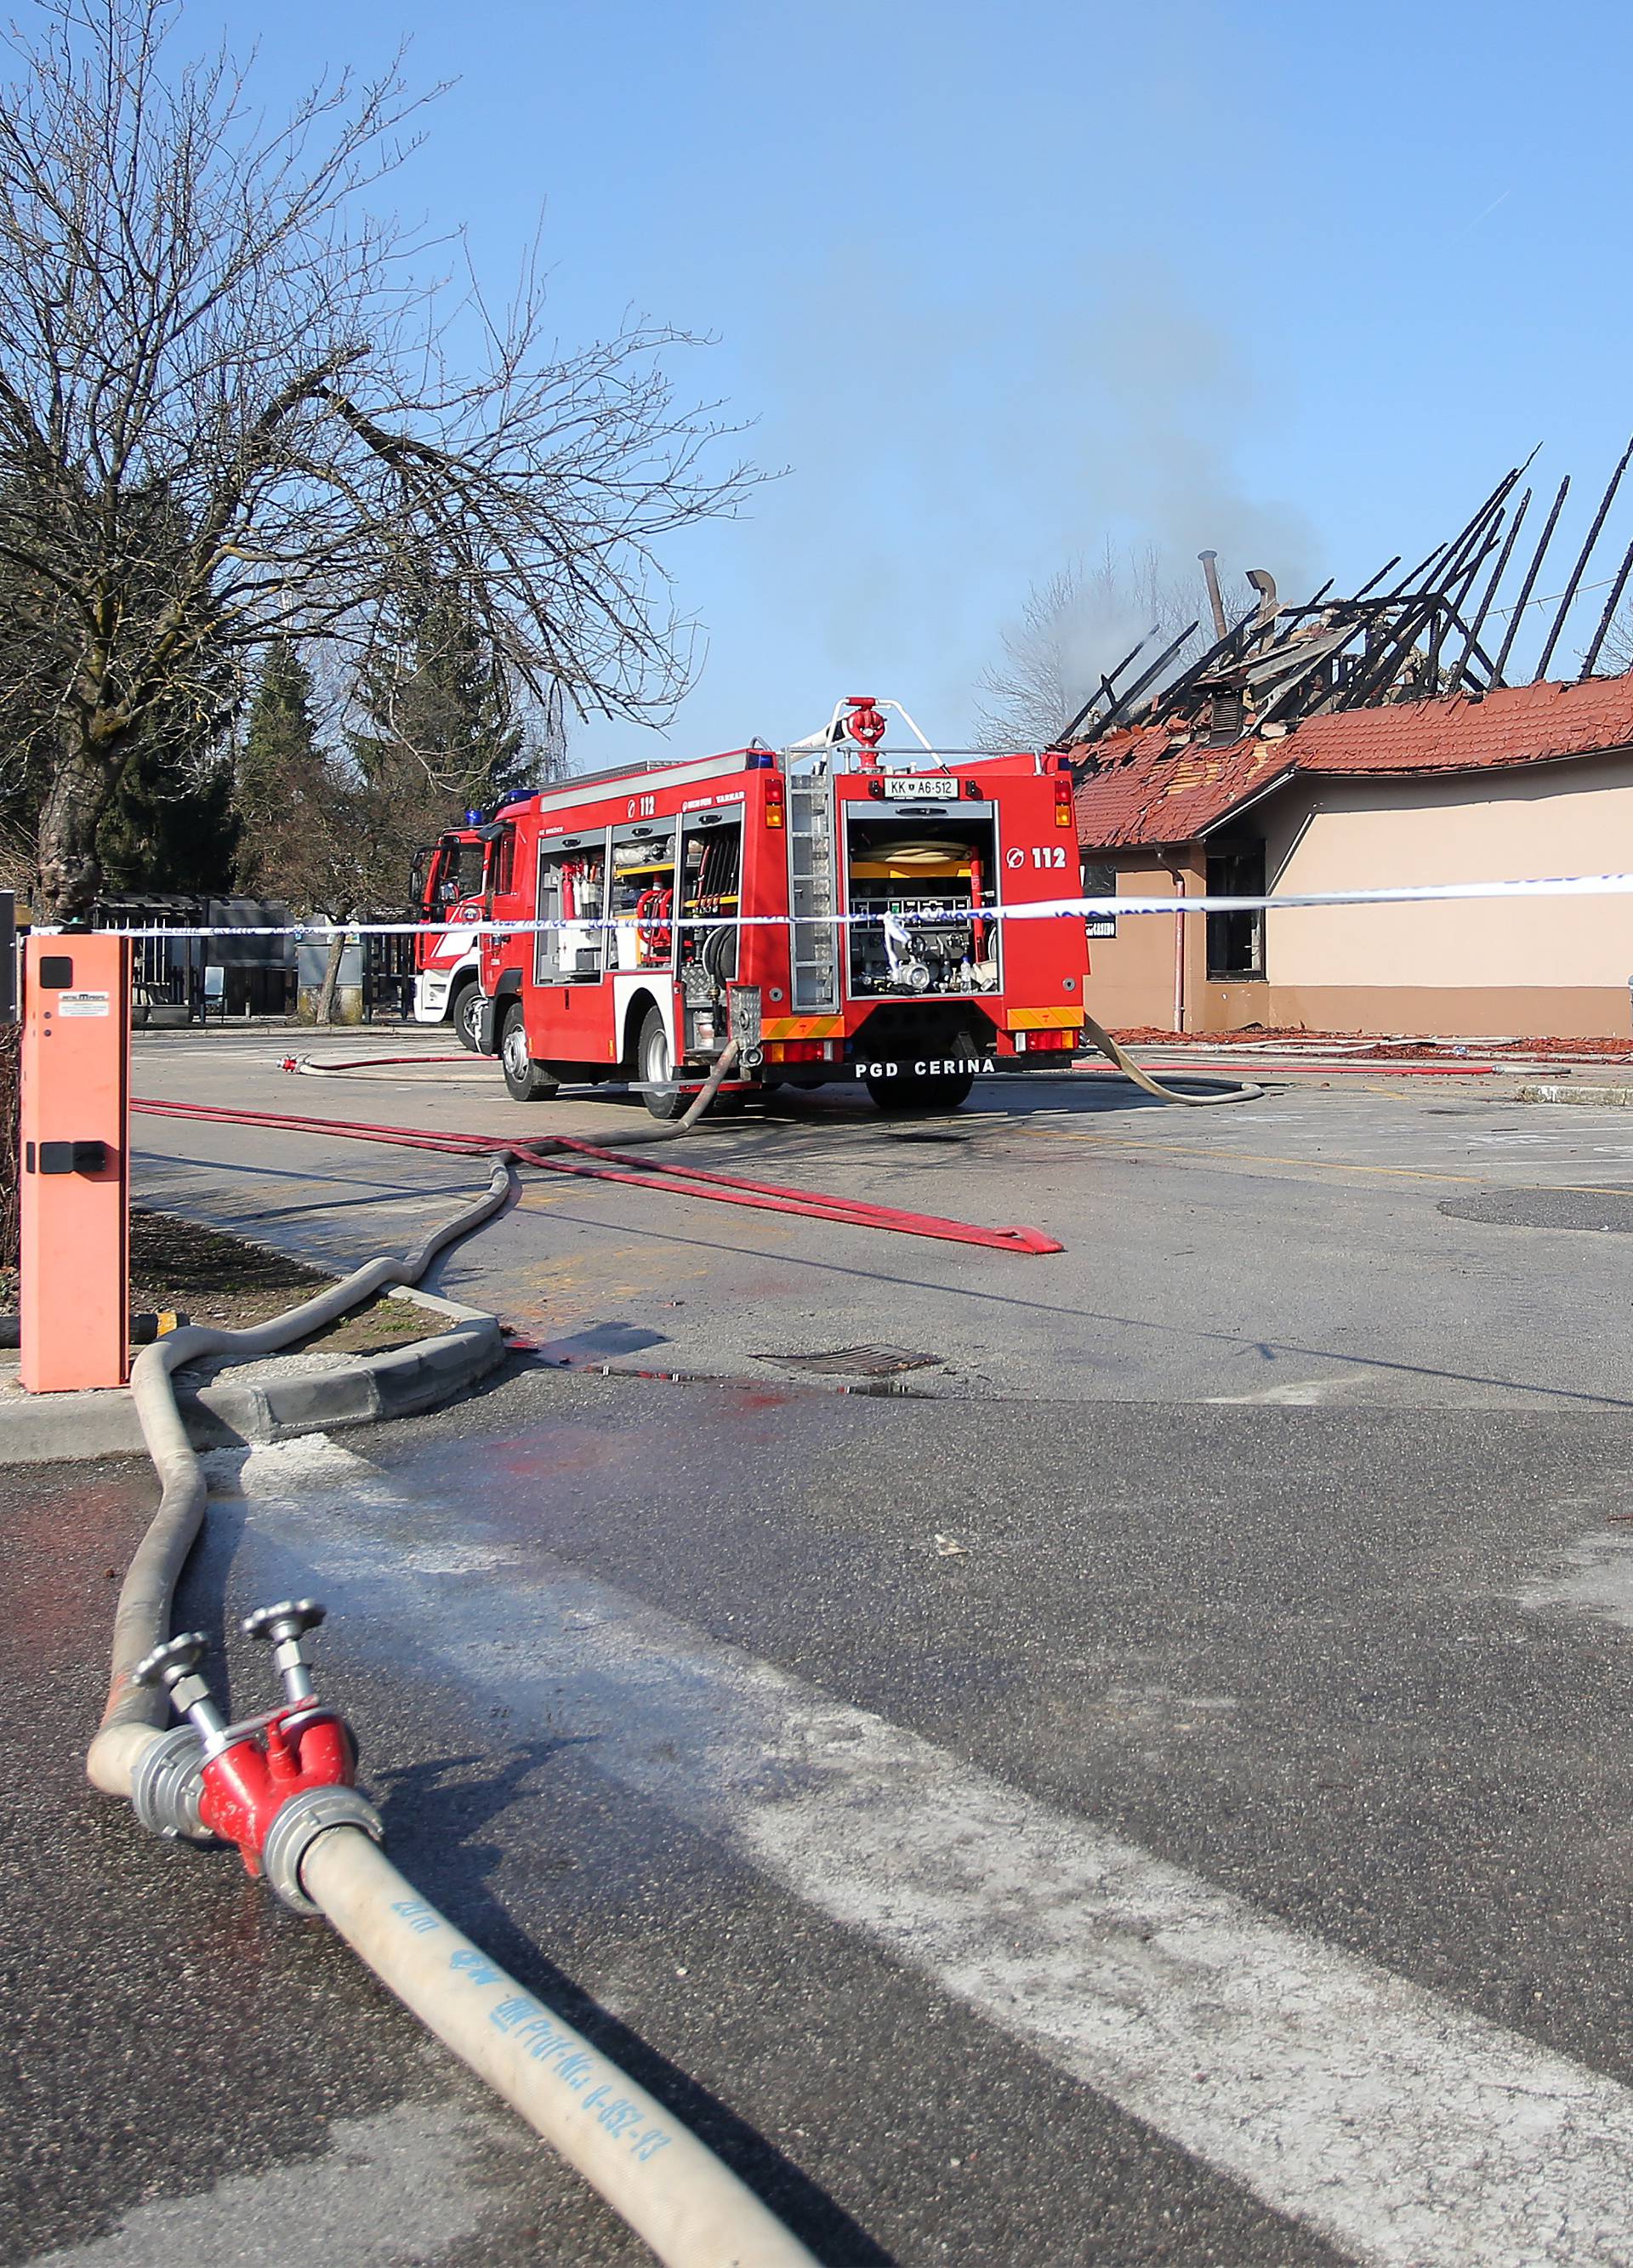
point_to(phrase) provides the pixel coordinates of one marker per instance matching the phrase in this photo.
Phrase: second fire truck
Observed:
(838, 914)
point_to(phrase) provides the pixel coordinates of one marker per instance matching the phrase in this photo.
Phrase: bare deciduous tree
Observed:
(1074, 625)
(1616, 655)
(231, 409)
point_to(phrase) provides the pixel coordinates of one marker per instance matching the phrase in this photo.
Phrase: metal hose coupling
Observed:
(167, 1785)
(296, 1827)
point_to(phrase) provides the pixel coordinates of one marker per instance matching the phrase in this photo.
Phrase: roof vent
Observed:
(1227, 720)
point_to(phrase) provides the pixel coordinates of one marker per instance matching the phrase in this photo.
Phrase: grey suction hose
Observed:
(670, 1131)
(134, 1714)
(1108, 1046)
(676, 2195)
(702, 1100)
(725, 1064)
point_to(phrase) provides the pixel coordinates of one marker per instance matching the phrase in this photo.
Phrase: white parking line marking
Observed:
(1408, 2131)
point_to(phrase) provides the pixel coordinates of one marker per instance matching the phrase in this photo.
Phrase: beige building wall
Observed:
(1545, 818)
(1131, 975)
(1544, 966)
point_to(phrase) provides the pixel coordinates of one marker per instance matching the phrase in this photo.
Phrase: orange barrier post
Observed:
(76, 1196)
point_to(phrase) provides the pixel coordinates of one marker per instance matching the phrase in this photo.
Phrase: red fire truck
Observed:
(836, 913)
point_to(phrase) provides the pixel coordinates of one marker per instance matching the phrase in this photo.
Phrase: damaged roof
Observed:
(1171, 782)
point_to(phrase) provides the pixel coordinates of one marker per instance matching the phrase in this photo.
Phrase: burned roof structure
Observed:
(1421, 635)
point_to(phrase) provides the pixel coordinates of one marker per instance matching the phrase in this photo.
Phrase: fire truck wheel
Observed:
(466, 1015)
(654, 1068)
(899, 1097)
(525, 1081)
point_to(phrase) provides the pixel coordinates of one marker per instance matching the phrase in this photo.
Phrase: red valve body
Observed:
(866, 726)
(246, 1786)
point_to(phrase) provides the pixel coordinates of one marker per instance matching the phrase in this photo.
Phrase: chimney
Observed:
(1221, 626)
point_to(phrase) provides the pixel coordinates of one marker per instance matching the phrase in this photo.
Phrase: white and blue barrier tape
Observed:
(1562, 886)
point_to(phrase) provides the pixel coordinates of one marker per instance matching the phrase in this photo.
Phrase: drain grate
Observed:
(855, 1362)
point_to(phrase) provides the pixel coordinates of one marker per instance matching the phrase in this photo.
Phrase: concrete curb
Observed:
(52, 1428)
(1610, 1098)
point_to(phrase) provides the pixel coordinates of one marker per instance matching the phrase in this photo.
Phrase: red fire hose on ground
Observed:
(603, 1162)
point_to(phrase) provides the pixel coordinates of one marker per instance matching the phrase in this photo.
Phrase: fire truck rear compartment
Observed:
(923, 896)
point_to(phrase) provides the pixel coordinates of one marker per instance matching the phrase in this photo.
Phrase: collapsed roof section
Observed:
(1164, 784)
(1424, 635)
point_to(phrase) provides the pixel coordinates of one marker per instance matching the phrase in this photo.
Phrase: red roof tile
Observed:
(1153, 783)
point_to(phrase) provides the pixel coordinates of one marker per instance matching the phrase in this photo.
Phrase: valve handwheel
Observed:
(282, 1627)
(289, 1618)
(175, 1666)
(168, 1664)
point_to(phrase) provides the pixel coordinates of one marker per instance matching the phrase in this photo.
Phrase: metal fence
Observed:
(181, 978)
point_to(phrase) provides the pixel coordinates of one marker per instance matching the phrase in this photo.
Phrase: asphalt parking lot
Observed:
(1150, 1792)
(1427, 1243)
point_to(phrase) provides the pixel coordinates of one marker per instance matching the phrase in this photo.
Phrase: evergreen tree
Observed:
(171, 826)
(296, 804)
(278, 765)
(441, 722)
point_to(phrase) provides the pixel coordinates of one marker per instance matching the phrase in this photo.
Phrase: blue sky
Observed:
(997, 283)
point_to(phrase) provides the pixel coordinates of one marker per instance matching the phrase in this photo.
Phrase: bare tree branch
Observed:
(1078, 623)
(233, 408)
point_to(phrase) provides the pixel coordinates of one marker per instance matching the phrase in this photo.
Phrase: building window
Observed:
(1236, 941)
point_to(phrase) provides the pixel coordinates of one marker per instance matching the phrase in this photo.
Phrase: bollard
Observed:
(76, 1213)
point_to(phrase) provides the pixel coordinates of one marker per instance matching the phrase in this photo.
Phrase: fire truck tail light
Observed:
(804, 1051)
(774, 800)
(1064, 1043)
(1062, 799)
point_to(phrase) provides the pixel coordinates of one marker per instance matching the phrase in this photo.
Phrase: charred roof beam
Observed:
(1517, 613)
(1568, 600)
(1494, 676)
(1125, 701)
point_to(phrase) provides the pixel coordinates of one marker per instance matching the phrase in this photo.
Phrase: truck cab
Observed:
(454, 885)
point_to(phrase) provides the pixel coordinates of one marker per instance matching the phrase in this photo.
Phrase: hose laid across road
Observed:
(363, 1066)
(1118, 1055)
(657, 2175)
(604, 1160)
(687, 2206)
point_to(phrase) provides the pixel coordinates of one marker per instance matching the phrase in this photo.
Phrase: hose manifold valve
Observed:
(271, 1785)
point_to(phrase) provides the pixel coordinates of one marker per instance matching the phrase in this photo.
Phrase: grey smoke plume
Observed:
(1159, 398)
(956, 443)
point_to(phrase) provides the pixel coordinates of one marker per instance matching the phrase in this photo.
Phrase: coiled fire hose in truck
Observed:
(281, 1786)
